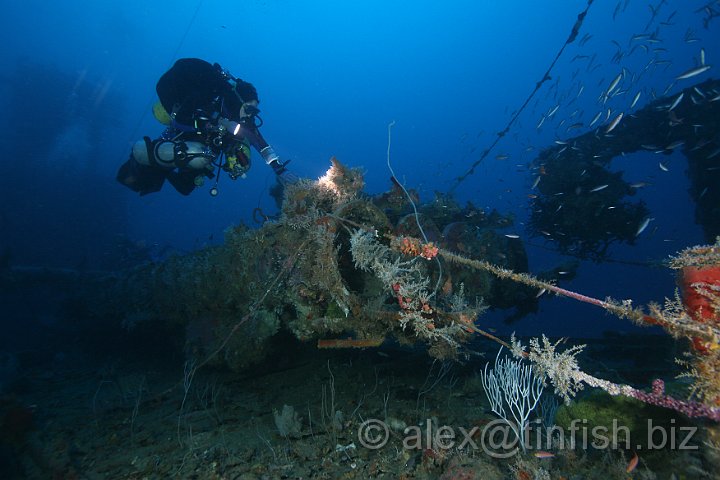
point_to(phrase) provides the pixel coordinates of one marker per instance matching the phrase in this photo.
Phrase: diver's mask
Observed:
(249, 116)
(250, 110)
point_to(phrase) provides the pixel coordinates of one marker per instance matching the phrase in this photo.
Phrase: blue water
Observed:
(331, 76)
(77, 81)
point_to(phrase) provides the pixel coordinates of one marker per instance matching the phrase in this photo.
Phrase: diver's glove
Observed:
(284, 176)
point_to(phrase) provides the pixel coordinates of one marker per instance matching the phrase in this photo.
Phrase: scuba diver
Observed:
(212, 120)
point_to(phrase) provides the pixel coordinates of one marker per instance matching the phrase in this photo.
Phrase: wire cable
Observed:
(545, 78)
(151, 100)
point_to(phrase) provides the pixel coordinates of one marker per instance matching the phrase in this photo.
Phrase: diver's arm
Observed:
(253, 135)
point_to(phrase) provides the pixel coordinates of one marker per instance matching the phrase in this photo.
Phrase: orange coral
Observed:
(429, 251)
(412, 246)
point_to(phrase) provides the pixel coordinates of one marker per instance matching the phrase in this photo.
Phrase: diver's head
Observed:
(249, 107)
(246, 91)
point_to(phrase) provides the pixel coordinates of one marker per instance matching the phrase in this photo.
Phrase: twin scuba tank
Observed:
(170, 152)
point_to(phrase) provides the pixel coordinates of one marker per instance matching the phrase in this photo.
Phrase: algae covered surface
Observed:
(338, 341)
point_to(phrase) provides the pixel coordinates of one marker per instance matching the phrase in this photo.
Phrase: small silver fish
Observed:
(512, 235)
(614, 123)
(635, 100)
(668, 88)
(643, 226)
(676, 102)
(693, 72)
(613, 84)
(663, 167)
(599, 187)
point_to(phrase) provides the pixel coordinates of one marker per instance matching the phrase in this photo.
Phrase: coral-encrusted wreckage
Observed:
(583, 207)
(343, 269)
(338, 267)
